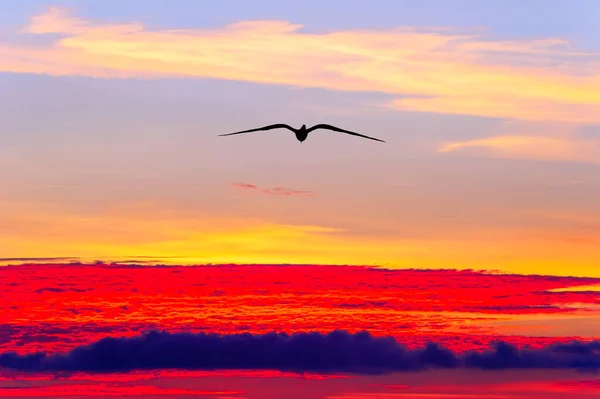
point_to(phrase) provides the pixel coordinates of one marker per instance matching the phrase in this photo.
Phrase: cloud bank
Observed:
(436, 70)
(338, 351)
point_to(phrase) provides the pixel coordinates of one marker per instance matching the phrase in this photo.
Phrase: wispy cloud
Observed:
(550, 145)
(532, 147)
(49, 259)
(273, 191)
(431, 70)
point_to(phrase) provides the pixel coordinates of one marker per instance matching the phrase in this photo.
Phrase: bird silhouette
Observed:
(302, 133)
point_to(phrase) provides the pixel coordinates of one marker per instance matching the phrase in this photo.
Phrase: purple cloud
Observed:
(338, 351)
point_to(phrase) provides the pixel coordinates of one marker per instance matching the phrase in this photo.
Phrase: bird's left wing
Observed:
(275, 126)
(337, 129)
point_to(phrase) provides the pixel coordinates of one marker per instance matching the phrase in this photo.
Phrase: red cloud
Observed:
(274, 191)
(56, 308)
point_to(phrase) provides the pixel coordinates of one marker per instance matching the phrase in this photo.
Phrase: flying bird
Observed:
(302, 133)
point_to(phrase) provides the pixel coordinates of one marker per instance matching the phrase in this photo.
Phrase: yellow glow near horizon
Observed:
(182, 239)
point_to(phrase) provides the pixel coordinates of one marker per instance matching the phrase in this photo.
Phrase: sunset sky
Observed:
(110, 115)
(477, 222)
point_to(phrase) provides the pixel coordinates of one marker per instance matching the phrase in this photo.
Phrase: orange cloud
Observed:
(532, 147)
(556, 146)
(434, 70)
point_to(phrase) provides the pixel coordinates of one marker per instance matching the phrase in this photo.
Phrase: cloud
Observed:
(536, 141)
(460, 309)
(56, 290)
(274, 191)
(244, 186)
(506, 356)
(429, 70)
(52, 259)
(532, 147)
(338, 351)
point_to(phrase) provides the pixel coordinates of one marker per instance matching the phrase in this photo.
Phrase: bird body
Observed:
(302, 132)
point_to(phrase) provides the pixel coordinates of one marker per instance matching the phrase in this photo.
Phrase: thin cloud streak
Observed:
(531, 147)
(531, 140)
(280, 191)
(433, 70)
(47, 259)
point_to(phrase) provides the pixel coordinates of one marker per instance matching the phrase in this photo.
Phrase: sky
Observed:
(110, 115)
(142, 255)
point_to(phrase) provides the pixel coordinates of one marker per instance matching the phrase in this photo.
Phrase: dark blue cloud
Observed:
(338, 351)
(580, 355)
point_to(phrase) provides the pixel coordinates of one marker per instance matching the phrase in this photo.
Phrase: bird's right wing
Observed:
(276, 126)
(337, 129)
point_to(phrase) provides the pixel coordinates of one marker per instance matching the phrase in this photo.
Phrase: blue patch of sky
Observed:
(576, 21)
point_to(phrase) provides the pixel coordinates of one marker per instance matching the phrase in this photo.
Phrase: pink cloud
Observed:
(438, 70)
(274, 191)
